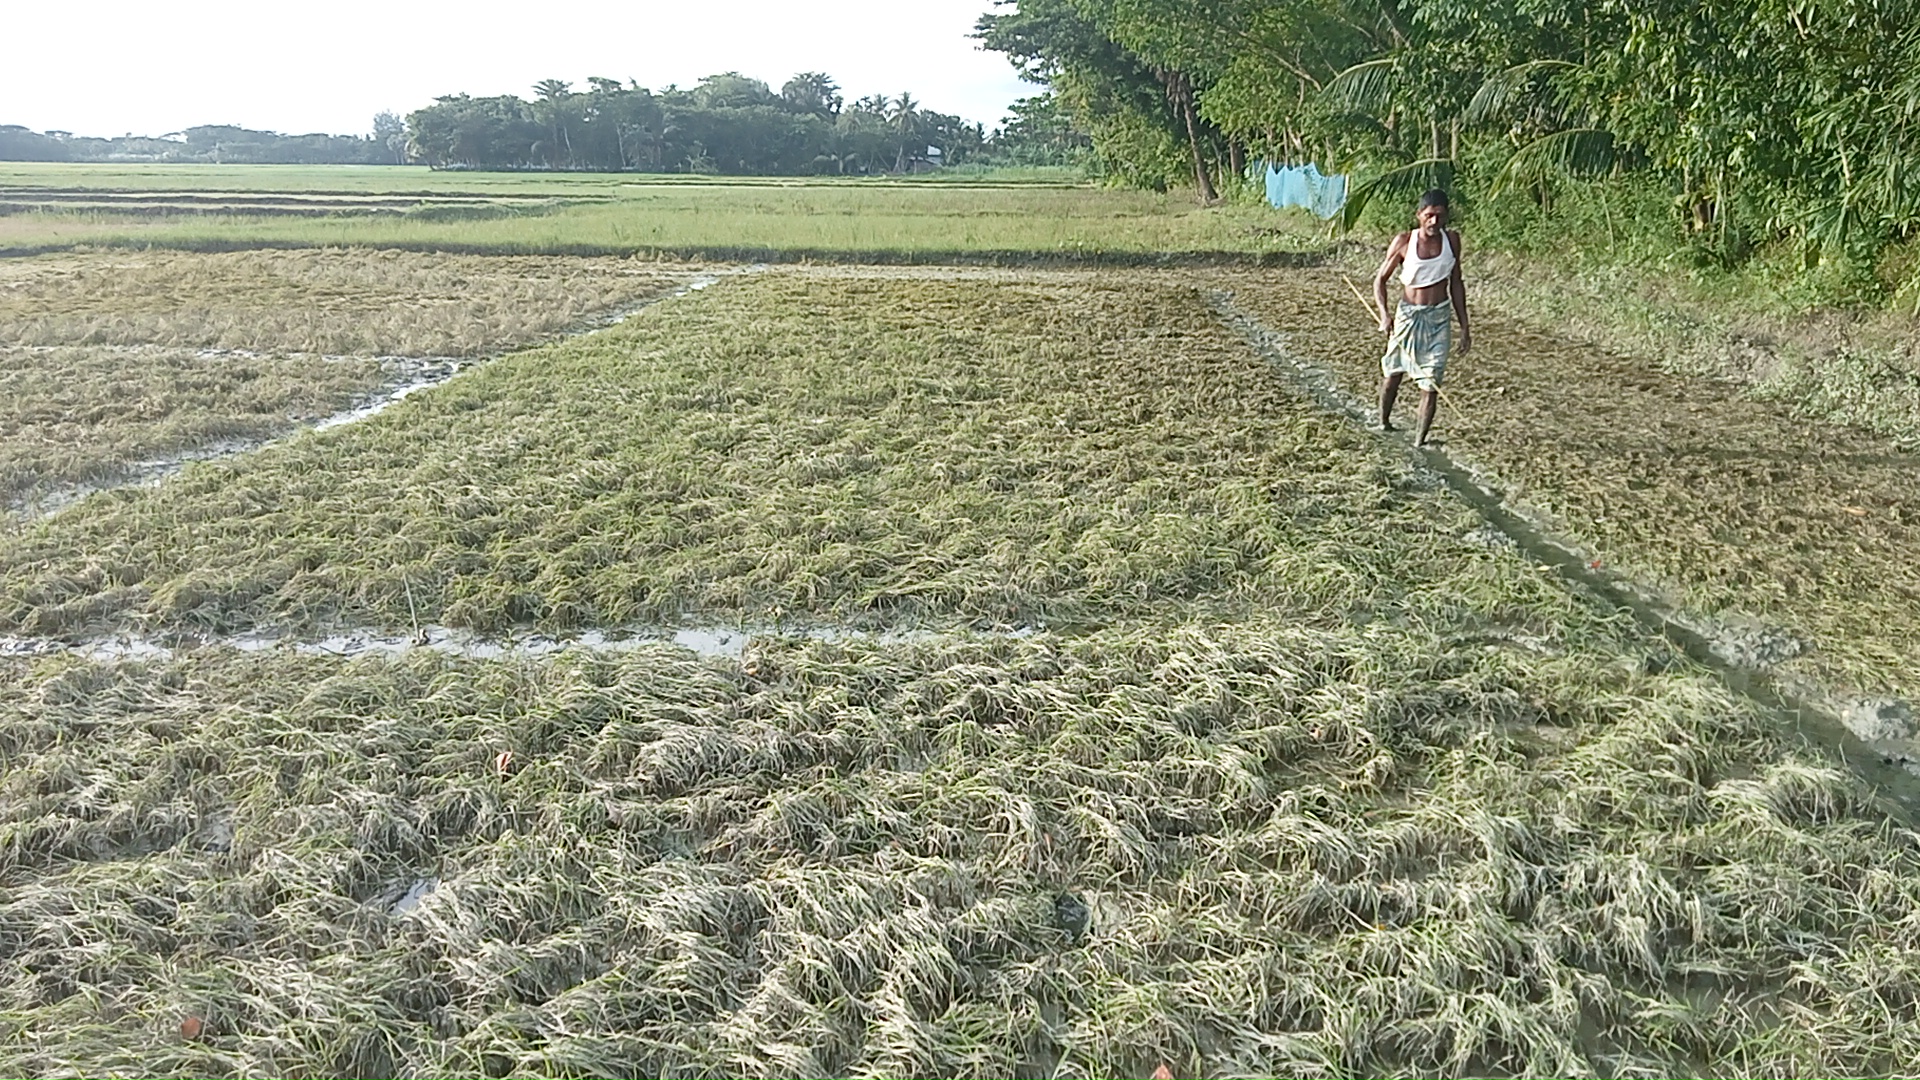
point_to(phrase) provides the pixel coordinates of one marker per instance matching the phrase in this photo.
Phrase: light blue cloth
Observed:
(1305, 186)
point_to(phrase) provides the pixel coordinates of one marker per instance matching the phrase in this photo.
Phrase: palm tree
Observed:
(553, 93)
(814, 92)
(904, 112)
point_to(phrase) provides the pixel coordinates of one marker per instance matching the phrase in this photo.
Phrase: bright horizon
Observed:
(119, 67)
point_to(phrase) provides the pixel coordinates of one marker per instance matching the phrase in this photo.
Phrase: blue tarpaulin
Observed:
(1303, 185)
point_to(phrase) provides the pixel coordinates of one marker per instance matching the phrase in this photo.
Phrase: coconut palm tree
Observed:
(553, 94)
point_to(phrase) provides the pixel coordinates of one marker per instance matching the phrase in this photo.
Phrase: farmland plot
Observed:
(1228, 740)
(116, 367)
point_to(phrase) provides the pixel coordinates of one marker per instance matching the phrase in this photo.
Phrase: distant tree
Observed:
(19, 144)
(1039, 131)
(553, 96)
(732, 90)
(813, 92)
(496, 132)
(391, 133)
(904, 112)
(621, 126)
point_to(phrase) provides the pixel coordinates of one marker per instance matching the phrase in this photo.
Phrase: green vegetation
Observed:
(875, 450)
(1359, 852)
(1223, 737)
(880, 220)
(1744, 127)
(130, 361)
(388, 303)
(81, 415)
(1739, 509)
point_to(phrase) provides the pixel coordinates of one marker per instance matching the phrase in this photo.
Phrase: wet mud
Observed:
(712, 642)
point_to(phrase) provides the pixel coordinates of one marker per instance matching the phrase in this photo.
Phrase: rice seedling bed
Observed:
(324, 301)
(1797, 535)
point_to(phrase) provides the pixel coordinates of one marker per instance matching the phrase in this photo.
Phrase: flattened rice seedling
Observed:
(73, 415)
(648, 474)
(323, 301)
(1739, 509)
(828, 866)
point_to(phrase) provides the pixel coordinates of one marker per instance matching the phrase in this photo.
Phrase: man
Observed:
(1419, 328)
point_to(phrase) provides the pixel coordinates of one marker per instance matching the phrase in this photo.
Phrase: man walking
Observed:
(1419, 328)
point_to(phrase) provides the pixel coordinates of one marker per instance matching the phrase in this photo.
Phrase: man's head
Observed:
(1432, 212)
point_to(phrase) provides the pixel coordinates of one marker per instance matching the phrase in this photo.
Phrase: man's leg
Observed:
(1429, 404)
(1389, 390)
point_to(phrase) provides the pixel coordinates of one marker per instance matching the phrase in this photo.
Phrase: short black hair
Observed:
(1433, 197)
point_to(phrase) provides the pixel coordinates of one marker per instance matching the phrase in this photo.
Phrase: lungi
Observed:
(1422, 335)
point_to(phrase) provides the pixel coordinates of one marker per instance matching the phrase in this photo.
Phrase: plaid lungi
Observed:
(1422, 335)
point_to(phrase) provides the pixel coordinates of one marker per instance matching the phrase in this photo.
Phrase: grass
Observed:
(1247, 849)
(875, 220)
(109, 361)
(1740, 508)
(379, 180)
(1287, 770)
(883, 449)
(1856, 369)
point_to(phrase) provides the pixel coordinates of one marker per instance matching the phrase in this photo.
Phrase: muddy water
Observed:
(1743, 656)
(723, 642)
(408, 376)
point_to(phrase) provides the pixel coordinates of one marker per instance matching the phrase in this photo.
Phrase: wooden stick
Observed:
(1376, 313)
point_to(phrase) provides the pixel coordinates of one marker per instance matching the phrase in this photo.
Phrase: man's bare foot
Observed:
(1387, 425)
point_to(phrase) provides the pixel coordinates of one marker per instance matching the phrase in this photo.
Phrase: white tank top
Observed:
(1418, 273)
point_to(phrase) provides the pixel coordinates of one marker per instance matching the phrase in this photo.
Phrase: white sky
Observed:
(148, 67)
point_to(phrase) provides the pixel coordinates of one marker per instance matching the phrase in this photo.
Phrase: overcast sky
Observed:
(148, 67)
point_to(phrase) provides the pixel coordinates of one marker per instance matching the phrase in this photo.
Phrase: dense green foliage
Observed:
(1782, 122)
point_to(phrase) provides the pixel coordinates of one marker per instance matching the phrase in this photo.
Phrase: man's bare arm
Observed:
(1396, 251)
(1457, 293)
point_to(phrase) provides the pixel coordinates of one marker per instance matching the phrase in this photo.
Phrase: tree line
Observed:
(212, 143)
(727, 123)
(1763, 121)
